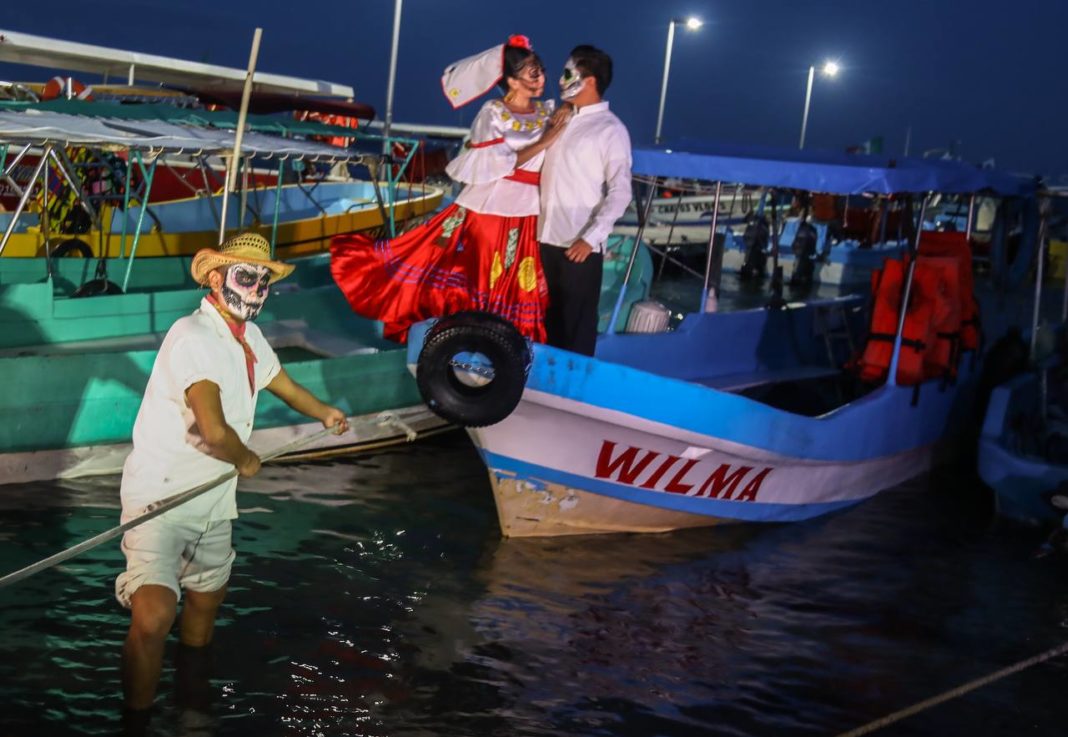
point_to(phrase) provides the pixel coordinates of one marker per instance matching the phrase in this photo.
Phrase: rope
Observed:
(165, 505)
(954, 693)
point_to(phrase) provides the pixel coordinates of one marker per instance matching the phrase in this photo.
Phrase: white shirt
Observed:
(168, 454)
(497, 135)
(585, 180)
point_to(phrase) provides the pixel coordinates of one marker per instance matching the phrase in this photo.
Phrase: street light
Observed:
(691, 24)
(829, 69)
(388, 120)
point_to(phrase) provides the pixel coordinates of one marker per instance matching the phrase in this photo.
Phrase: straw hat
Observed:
(243, 248)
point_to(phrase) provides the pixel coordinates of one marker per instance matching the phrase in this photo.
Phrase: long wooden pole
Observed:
(242, 114)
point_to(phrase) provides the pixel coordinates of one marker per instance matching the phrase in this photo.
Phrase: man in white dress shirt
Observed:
(585, 188)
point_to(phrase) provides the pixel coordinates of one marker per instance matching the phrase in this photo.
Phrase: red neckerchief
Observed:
(237, 329)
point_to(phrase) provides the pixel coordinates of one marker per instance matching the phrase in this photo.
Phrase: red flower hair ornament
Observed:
(521, 42)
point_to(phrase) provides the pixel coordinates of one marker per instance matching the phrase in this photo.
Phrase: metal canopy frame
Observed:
(147, 158)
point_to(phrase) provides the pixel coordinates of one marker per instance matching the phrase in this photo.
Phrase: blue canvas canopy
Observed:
(822, 171)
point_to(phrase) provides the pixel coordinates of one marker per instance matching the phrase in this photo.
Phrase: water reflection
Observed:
(375, 596)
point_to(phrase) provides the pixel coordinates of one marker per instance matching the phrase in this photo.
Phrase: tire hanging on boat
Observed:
(473, 368)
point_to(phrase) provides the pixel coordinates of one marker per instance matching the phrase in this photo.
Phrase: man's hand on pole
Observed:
(335, 418)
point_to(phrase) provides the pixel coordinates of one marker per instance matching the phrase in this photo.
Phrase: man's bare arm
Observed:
(221, 440)
(303, 401)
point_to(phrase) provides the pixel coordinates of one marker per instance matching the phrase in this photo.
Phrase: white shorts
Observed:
(176, 554)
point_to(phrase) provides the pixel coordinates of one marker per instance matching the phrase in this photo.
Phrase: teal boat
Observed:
(78, 337)
(75, 368)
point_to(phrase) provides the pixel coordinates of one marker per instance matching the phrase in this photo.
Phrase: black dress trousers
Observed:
(574, 294)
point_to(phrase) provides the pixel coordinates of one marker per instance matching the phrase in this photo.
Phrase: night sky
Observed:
(987, 77)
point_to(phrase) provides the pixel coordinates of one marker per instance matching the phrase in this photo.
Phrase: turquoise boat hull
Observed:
(75, 368)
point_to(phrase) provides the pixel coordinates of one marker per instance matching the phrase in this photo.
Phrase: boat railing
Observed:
(53, 157)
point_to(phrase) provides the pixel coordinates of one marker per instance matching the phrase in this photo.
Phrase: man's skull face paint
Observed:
(571, 81)
(245, 289)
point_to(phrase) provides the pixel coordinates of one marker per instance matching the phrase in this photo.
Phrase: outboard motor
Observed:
(804, 250)
(755, 237)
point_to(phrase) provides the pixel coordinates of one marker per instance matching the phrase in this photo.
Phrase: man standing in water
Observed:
(193, 426)
(585, 188)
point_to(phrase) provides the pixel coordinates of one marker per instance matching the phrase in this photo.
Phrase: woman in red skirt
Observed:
(481, 252)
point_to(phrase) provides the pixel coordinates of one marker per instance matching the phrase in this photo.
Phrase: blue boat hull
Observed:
(672, 430)
(1022, 482)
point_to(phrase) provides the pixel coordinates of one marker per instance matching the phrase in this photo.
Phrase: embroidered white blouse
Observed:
(490, 155)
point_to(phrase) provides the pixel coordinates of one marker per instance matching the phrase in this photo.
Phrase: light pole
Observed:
(692, 24)
(830, 69)
(388, 120)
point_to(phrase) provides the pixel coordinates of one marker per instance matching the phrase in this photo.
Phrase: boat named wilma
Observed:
(745, 416)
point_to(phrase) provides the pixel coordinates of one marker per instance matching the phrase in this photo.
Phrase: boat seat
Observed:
(123, 344)
(296, 334)
(749, 379)
(280, 334)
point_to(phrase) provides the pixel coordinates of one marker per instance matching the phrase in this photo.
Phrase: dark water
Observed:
(375, 596)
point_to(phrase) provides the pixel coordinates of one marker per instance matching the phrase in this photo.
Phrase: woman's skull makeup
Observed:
(570, 81)
(245, 289)
(531, 76)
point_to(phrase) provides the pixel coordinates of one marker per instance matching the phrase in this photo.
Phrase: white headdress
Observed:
(470, 78)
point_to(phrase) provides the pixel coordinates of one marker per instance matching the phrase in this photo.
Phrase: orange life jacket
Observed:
(340, 121)
(56, 88)
(955, 245)
(943, 277)
(931, 335)
(874, 365)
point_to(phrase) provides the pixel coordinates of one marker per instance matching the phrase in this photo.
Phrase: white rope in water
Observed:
(954, 693)
(165, 505)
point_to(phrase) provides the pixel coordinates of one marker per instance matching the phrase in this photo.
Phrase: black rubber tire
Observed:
(96, 288)
(72, 247)
(476, 332)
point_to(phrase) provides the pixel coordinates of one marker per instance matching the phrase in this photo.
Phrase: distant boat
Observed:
(299, 218)
(1022, 450)
(309, 215)
(853, 234)
(743, 416)
(1021, 457)
(80, 365)
(78, 336)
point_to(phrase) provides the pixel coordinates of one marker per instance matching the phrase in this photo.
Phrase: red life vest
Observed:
(955, 245)
(943, 280)
(874, 365)
(56, 88)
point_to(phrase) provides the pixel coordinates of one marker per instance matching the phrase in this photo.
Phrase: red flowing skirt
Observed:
(459, 260)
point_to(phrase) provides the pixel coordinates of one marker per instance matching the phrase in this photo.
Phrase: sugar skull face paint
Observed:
(245, 289)
(570, 81)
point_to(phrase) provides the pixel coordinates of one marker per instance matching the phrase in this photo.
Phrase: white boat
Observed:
(745, 416)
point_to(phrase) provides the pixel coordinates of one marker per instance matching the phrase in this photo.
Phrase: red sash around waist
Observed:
(525, 176)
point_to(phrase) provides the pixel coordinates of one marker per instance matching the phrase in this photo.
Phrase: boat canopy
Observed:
(823, 171)
(157, 135)
(169, 113)
(24, 48)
